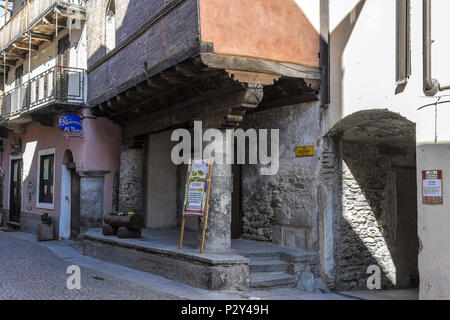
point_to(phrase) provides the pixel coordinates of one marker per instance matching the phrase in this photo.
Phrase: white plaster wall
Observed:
(434, 226)
(161, 183)
(363, 62)
(44, 59)
(363, 77)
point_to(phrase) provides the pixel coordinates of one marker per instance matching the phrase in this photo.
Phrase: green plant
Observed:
(46, 219)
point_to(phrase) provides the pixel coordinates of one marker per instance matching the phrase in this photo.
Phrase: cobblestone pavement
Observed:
(32, 272)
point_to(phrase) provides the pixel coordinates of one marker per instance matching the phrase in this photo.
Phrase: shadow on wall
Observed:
(342, 32)
(378, 221)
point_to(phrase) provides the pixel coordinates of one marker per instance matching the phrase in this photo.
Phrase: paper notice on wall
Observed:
(196, 188)
(432, 187)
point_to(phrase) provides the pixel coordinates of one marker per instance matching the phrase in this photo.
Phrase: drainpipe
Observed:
(430, 86)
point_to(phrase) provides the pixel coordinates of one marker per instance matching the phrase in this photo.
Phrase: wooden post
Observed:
(6, 20)
(183, 221)
(205, 217)
(6, 11)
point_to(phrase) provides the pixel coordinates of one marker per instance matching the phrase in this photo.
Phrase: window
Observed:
(110, 26)
(45, 183)
(403, 41)
(19, 75)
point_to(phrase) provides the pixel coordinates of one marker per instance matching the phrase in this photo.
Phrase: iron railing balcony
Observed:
(58, 85)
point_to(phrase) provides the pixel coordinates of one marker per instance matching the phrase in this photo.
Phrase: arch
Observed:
(110, 25)
(375, 126)
(378, 211)
(68, 157)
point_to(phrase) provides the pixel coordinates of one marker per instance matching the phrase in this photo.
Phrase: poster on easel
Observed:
(196, 197)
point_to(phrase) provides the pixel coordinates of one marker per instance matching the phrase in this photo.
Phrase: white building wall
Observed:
(44, 59)
(363, 65)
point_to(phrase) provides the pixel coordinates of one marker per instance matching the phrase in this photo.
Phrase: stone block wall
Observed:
(283, 208)
(367, 229)
(131, 179)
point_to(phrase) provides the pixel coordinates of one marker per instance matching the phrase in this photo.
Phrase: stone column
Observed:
(218, 231)
(131, 179)
(91, 199)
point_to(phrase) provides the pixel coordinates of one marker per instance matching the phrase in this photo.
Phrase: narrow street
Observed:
(32, 272)
(37, 271)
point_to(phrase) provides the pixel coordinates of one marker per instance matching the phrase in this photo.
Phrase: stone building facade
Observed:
(156, 66)
(67, 175)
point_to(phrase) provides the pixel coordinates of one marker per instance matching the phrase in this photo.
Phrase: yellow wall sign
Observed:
(305, 151)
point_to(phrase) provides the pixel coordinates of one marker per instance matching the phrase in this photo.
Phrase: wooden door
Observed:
(15, 199)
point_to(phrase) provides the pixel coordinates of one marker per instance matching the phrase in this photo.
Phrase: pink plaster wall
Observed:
(267, 29)
(98, 150)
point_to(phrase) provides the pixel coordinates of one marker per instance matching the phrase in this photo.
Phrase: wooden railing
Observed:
(26, 16)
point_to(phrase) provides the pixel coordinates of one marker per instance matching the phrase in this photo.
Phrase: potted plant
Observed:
(45, 228)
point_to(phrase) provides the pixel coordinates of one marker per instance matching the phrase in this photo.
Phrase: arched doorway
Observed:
(378, 220)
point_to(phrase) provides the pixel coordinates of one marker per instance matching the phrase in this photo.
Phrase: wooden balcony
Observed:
(38, 19)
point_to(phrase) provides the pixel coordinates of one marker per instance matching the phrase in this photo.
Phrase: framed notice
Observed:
(197, 185)
(196, 197)
(432, 187)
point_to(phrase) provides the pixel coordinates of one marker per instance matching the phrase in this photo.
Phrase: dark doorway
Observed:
(15, 198)
(406, 240)
(75, 227)
(236, 200)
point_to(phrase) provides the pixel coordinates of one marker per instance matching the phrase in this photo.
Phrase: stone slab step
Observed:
(264, 280)
(267, 265)
(265, 255)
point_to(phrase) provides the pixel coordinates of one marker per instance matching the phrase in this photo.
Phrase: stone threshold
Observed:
(157, 252)
(167, 247)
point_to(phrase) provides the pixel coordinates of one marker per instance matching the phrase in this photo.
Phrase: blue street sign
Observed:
(70, 123)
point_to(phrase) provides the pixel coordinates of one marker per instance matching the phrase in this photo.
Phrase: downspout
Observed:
(430, 86)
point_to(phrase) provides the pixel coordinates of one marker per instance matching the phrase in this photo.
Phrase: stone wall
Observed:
(283, 208)
(131, 179)
(92, 185)
(367, 231)
(30, 220)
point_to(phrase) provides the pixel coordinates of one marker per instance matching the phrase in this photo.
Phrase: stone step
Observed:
(13, 225)
(264, 280)
(264, 255)
(267, 265)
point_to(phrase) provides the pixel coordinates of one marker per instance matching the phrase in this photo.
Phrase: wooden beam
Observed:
(158, 84)
(114, 105)
(171, 77)
(40, 36)
(6, 12)
(33, 48)
(133, 95)
(15, 56)
(72, 16)
(145, 89)
(123, 100)
(187, 71)
(260, 65)
(50, 23)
